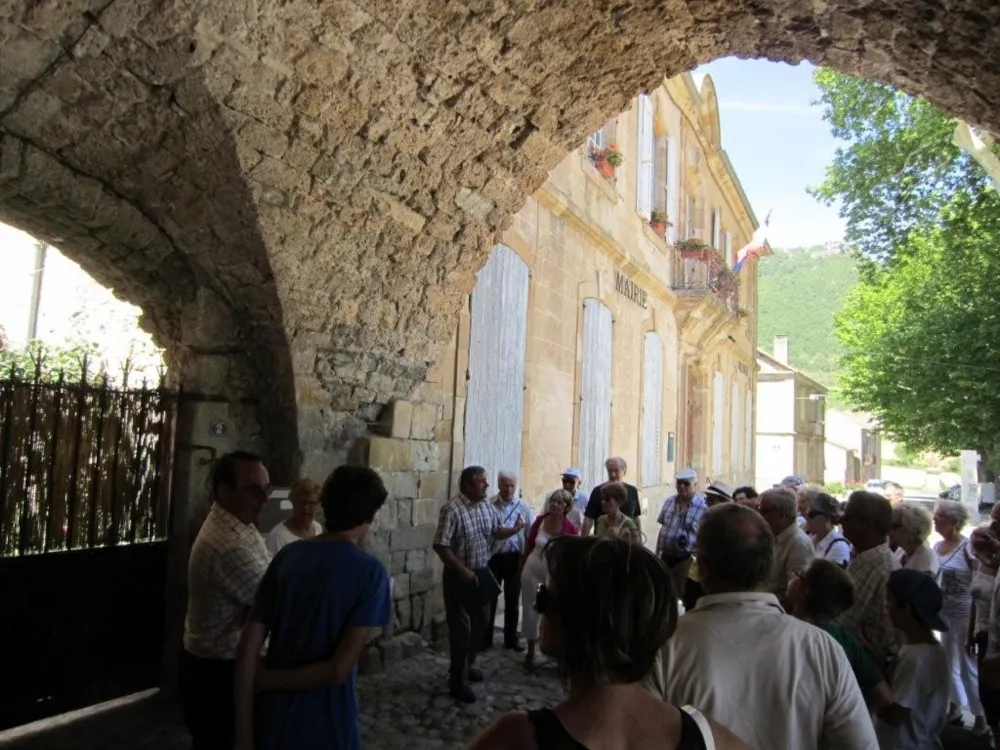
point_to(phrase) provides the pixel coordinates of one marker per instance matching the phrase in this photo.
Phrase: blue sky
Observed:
(778, 143)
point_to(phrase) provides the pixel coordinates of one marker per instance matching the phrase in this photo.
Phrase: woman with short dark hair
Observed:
(607, 608)
(819, 595)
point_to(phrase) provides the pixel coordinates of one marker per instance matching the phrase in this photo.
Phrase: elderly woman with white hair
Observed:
(955, 577)
(911, 526)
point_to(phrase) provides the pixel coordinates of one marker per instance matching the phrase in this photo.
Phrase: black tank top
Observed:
(550, 734)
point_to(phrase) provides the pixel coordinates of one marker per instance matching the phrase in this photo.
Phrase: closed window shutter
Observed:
(595, 392)
(660, 194)
(717, 228)
(748, 436)
(718, 421)
(644, 170)
(673, 187)
(735, 428)
(498, 338)
(652, 408)
(729, 249)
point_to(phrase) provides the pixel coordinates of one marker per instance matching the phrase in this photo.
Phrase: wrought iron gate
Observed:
(84, 512)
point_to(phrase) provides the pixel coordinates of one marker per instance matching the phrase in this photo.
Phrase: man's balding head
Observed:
(735, 549)
(866, 520)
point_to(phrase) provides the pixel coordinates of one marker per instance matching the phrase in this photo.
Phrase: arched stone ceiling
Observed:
(337, 171)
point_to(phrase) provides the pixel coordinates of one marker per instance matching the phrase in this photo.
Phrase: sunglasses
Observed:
(683, 483)
(543, 599)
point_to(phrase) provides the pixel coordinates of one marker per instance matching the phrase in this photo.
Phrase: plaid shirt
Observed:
(468, 529)
(673, 524)
(869, 617)
(228, 560)
(508, 517)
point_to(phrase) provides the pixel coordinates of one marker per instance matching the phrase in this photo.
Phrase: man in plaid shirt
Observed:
(467, 529)
(866, 522)
(228, 560)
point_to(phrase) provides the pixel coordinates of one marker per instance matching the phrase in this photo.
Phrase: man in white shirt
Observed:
(793, 549)
(506, 560)
(228, 560)
(775, 681)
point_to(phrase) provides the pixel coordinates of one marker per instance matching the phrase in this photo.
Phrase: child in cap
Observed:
(921, 676)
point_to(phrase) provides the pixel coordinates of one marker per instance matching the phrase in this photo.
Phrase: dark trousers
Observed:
(506, 566)
(466, 625)
(206, 692)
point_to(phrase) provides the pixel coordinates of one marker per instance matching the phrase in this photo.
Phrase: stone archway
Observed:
(333, 174)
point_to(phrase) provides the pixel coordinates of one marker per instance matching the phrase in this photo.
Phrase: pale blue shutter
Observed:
(735, 429)
(652, 408)
(644, 169)
(718, 421)
(498, 337)
(595, 392)
(717, 228)
(673, 187)
(748, 434)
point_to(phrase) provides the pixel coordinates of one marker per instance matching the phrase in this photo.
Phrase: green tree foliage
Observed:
(898, 169)
(56, 361)
(920, 335)
(798, 293)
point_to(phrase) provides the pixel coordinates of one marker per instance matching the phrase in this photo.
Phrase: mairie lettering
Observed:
(628, 288)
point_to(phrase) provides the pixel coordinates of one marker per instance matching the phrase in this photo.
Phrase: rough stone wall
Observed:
(336, 172)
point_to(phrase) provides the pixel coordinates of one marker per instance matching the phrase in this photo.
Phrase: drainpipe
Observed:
(36, 290)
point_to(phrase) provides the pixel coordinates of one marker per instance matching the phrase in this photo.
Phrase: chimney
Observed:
(781, 349)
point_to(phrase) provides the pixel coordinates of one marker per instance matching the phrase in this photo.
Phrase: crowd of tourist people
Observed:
(806, 623)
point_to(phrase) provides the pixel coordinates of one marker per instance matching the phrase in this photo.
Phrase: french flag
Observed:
(755, 246)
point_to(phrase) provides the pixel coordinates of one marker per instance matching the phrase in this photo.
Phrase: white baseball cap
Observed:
(572, 473)
(687, 475)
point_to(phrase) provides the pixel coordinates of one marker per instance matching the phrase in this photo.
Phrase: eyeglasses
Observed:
(683, 483)
(543, 599)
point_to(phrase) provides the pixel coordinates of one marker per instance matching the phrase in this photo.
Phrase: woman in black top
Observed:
(607, 608)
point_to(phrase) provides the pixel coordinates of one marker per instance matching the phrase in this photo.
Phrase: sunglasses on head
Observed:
(543, 599)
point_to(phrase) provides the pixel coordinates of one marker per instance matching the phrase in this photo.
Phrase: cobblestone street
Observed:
(409, 706)
(405, 706)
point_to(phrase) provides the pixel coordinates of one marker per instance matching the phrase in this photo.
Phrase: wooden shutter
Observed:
(748, 433)
(498, 337)
(718, 421)
(729, 249)
(673, 187)
(595, 392)
(652, 408)
(660, 200)
(735, 428)
(644, 170)
(717, 228)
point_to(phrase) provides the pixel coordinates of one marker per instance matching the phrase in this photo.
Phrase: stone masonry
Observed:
(334, 173)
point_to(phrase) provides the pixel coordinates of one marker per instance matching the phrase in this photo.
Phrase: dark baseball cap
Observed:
(825, 505)
(917, 589)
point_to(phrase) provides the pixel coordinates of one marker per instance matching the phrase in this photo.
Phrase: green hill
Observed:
(799, 291)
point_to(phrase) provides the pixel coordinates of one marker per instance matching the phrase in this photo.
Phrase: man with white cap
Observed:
(571, 483)
(679, 518)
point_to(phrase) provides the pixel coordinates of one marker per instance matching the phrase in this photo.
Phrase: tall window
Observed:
(652, 408)
(748, 437)
(718, 421)
(717, 228)
(735, 428)
(595, 392)
(673, 187)
(728, 249)
(644, 169)
(498, 335)
(691, 226)
(604, 137)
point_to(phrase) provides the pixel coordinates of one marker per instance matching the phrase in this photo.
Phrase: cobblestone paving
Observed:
(408, 705)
